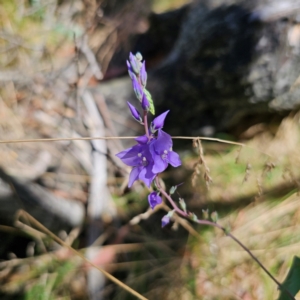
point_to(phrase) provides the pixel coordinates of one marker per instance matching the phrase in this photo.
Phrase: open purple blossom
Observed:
(154, 199)
(134, 112)
(158, 122)
(140, 158)
(162, 153)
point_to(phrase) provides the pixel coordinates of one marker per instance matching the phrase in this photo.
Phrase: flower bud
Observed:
(154, 199)
(173, 189)
(165, 221)
(145, 103)
(139, 56)
(135, 64)
(167, 218)
(158, 122)
(193, 217)
(143, 74)
(214, 216)
(130, 70)
(137, 88)
(134, 112)
(205, 213)
(182, 204)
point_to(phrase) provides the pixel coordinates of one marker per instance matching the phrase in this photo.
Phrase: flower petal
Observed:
(159, 164)
(163, 142)
(130, 155)
(142, 139)
(147, 175)
(134, 174)
(174, 159)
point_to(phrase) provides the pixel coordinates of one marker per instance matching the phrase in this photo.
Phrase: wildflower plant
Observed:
(154, 152)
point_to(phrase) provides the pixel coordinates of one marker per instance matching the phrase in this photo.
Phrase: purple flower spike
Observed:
(145, 103)
(158, 122)
(143, 74)
(154, 199)
(130, 70)
(134, 112)
(137, 88)
(162, 153)
(134, 63)
(165, 220)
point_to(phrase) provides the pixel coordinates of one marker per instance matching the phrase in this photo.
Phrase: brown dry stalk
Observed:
(22, 213)
(128, 138)
(247, 172)
(201, 162)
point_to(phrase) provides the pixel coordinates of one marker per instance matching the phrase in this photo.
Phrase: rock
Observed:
(225, 65)
(228, 65)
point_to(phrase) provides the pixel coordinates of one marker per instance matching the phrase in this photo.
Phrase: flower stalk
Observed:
(146, 124)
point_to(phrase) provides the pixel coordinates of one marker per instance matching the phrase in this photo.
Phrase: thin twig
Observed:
(126, 138)
(114, 138)
(64, 244)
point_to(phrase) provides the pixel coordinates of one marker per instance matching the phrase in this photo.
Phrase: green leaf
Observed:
(149, 98)
(292, 281)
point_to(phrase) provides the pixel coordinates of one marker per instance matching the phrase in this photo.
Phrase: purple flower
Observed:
(134, 63)
(134, 112)
(140, 158)
(158, 122)
(154, 199)
(143, 74)
(137, 88)
(145, 103)
(165, 220)
(162, 153)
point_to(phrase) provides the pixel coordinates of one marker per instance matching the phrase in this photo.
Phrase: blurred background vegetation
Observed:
(50, 55)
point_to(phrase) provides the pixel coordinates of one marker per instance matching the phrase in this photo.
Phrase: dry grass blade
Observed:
(33, 221)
